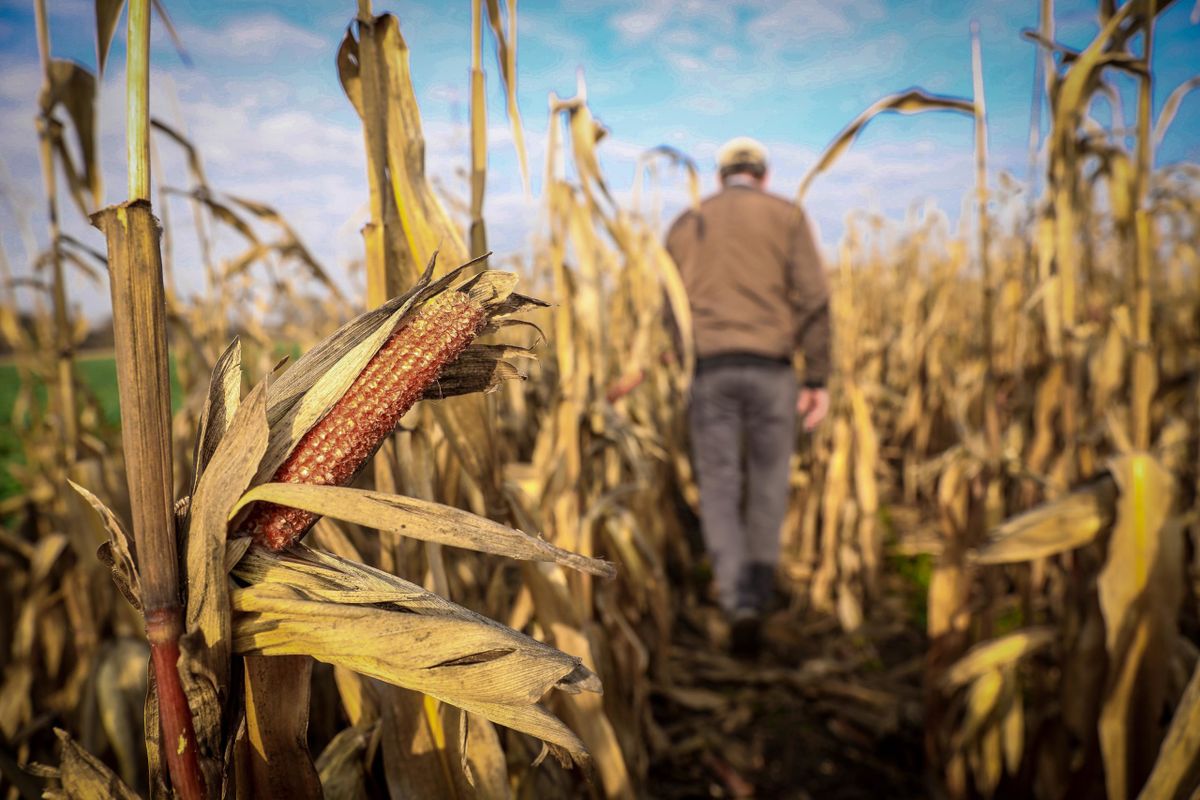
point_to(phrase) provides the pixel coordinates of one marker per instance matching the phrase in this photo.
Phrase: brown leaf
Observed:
(108, 13)
(121, 695)
(912, 101)
(304, 601)
(431, 522)
(234, 462)
(1063, 524)
(340, 765)
(1140, 588)
(277, 707)
(118, 552)
(220, 404)
(74, 88)
(84, 776)
(1177, 770)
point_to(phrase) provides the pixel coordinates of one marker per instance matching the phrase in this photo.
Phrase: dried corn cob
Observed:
(337, 447)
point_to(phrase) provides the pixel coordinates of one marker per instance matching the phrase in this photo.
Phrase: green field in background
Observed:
(97, 378)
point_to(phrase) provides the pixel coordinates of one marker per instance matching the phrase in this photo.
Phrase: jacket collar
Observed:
(741, 182)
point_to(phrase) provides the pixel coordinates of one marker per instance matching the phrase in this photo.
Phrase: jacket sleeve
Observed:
(677, 245)
(678, 241)
(810, 301)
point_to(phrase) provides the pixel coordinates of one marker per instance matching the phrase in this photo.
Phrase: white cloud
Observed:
(789, 24)
(683, 62)
(258, 38)
(707, 103)
(723, 53)
(19, 83)
(548, 31)
(58, 9)
(666, 18)
(637, 25)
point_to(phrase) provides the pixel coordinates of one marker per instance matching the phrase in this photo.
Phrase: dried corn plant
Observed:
(241, 739)
(1070, 411)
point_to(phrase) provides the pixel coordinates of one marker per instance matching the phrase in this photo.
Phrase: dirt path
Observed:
(820, 714)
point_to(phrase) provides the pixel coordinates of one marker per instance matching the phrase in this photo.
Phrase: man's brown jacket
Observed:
(754, 278)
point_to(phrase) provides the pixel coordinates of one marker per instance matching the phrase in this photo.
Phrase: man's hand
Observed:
(812, 405)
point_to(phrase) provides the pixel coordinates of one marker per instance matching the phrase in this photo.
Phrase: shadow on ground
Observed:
(818, 714)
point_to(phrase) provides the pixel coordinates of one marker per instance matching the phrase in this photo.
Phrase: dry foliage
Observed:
(1017, 399)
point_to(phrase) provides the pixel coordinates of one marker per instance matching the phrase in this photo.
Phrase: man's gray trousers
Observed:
(743, 422)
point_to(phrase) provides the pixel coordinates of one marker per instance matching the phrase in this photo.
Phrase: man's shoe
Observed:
(745, 638)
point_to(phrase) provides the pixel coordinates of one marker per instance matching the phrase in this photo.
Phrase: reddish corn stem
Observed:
(338, 446)
(163, 628)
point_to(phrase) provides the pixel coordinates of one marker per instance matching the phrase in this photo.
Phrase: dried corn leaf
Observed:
(486, 762)
(349, 72)
(1140, 588)
(290, 245)
(75, 88)
(997, 653)
(340, 765)
(682, 159)
(359, 700)
(586, 713)
(1143, 547)
(1066, 523)
(1171, 107)
(585, 132)
(681, 308)
(224, 394)
(506, 58)
(476, 666)
(165, 19)
(422, 743)
(118, 552)
(420, 519)
(990, 765)
(195, 166)
(913, 101)
(45, 554)
(16, 698)
(1077, 85)
(479, 368)
(336, 581)
(120, 696)
(1013, 732)
(1176, 772)
(557, 738)
(277, 707)
(108, 13)
(983, 699)
(327, 577)
(229, 471)
(83, 776)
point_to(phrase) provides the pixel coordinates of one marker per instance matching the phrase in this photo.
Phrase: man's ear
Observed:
(763, 181)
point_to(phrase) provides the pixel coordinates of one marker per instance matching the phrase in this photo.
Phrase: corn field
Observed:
(487, 460)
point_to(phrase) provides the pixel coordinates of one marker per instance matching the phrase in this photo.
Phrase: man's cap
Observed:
(742, 151)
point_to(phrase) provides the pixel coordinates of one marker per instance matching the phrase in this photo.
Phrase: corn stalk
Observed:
(139, 321)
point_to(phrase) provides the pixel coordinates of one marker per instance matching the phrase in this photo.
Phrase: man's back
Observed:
(753, 277)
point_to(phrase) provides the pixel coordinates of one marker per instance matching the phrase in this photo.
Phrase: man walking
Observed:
(758, 293)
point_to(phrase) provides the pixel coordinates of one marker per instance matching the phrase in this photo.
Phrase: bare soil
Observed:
(819, 714)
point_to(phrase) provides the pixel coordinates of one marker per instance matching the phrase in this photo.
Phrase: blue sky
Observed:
(262, 101)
